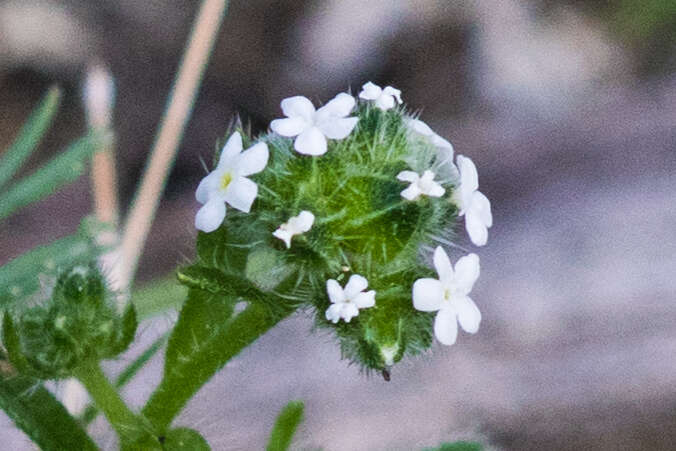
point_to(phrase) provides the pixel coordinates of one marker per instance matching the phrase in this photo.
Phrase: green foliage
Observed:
(30, 136)
(59, 171)
(35, 410)
(204, 339)
(457, 446)
(285, 426)
(79, 324)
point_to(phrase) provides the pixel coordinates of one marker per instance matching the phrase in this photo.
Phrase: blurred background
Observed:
(568, 109)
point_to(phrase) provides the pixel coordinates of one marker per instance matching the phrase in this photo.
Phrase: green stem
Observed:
(127, 424)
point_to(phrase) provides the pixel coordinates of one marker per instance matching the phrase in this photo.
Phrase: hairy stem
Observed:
(127, 424)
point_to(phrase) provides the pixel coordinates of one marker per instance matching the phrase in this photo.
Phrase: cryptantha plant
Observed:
(338, 209)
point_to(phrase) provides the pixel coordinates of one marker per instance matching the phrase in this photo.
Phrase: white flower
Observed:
(384, 98)
(345, 303)
(228, 182)
(449, 296)
(311, 127)
(294, 226)
(420, 185)
(472, 203)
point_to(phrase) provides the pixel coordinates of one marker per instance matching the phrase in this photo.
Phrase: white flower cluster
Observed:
(448, 295)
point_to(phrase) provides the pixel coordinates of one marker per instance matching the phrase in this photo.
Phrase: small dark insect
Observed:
(386, 374)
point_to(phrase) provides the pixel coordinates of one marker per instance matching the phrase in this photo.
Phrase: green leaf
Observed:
(30, 136)
(285, 426)
(62, 169)
(457, 446)
(202, 342)
(35, 411)
(185, 439)
(129, 325)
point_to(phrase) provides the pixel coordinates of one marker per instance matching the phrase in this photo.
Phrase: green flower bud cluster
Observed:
(353, 220)
(79, 324)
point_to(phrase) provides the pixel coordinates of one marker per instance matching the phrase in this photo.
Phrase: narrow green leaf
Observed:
(12, 343)
(285, 426)
(60, 170)
(35, 411)
(30, 136)
(19, 278)
(202, 342)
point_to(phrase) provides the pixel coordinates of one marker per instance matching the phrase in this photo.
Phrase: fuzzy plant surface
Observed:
(337, 210)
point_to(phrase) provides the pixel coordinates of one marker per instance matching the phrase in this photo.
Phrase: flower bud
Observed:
(80, 323)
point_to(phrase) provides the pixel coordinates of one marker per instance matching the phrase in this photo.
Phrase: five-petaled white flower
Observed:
(472, 203)
(448, 296)
(228, 182)
(294, 226)
(311, 127)
(345, 303)
(420, 185)
(384, 97)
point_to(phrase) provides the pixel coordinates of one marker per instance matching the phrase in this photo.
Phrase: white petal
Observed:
(284, 236)
(436, 190)
(289, 127)
(241, 193)
(334, 291)
(476, 229)
(210, 216)
(340, 106)
(365, 300)
(355, 285)
(253, 160)
(411, 193)
(446, 326)
(385, 102)
(370, 91)
(338, 128)
(420, 127)
(469, 178)
(469, 315)
(467, 272)
(231, 149)
(301, 223)
(333, 312)
(408, 176)
(442, 143)
(298, 106)
(311, 142)
(443, 265)
(208, 185)
(428, 295)
(392, 92)
(349, 311)
(481, 208)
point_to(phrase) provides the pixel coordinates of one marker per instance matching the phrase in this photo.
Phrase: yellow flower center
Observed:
(225, 180)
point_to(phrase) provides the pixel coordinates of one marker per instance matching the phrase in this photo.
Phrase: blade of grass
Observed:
(285, 426)
(30, 136)
(179, 107)
(35, 411)
(62, 169)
